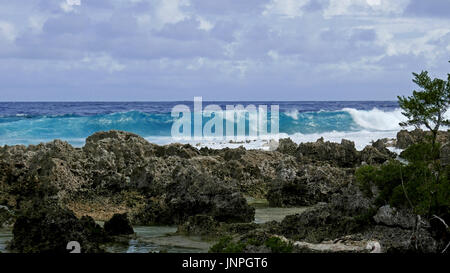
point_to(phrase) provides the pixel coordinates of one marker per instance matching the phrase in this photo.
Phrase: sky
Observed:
(163, 50)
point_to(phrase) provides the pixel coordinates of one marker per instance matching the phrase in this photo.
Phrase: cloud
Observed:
(261, 49)
(204, 24)
(430, 8)
(170, 11)
(7, 31)
(102, 62)
(69, 5)
(285, 8)
(228, 7)
(364, 7)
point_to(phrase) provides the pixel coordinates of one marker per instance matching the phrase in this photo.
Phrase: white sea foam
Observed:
(377, 119)
(292, 113)
(361, 139)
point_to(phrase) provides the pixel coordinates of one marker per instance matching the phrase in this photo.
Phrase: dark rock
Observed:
(287, 146)
(310, 185)
(201, 225)
(95, 232)
(393, 217)
(118, 225)
(6, 216)
(49, 228)
(351, 201)
(382, 144)
(371, 155)
(206, 226)
(45, 169)
(400, 240)
(406, 138)
(348, 211)
(153, 213)
(341, 155)
(193, 192)
(112, 156)
(233, 154)
(445, 154)
(180, 150)
(318, 224)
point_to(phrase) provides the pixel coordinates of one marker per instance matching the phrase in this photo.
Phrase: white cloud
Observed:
(273, 54)
(285, 8)
(374, 2)
(169, 11)
(69, 5)
(36, 22)
(102, 62)
(204, 24)
(406, 37)
(8, 31)
(163, 12)
(197, 64)
(364, 7)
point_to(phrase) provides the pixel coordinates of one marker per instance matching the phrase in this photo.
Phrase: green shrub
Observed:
(278, 246)
(226, 245)
(385, 178)
(421, 184)
(421, 152)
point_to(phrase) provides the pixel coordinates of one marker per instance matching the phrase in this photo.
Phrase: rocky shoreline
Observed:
(122, 178)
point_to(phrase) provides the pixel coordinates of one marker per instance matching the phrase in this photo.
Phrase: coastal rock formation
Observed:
(372, 155)
(46, 227)
(201, 190)
(180, 150)
(287, 146)
(111, 158)
(341, 155)
(318, 224)
(355, 220)
(393, 217)
(307, 186)
(445, 154)
(406, 138)
(118, 225)
(193, 192)
(51, 168)
(347, 211)
(113, 164)
(202, 225)
(152, 213)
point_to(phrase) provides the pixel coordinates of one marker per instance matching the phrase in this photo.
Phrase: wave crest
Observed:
(376, 119)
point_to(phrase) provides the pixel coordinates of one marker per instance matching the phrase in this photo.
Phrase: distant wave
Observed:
(376, 119)
(292, 114)
(69, 127)
(32, 129)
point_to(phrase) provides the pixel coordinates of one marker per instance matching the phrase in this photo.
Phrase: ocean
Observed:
(36, 122)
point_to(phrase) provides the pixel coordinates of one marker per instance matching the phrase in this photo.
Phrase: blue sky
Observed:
(219, 49)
